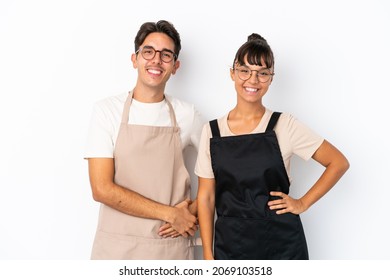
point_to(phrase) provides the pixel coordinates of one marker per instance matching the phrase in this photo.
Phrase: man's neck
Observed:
(147, 95)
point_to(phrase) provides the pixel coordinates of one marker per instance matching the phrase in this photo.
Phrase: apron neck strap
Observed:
(272, 122)
(171, 112)
(215, 129)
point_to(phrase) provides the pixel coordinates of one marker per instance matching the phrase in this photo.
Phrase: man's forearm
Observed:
(132, 203)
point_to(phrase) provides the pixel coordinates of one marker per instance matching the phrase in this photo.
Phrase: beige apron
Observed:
(149, 161)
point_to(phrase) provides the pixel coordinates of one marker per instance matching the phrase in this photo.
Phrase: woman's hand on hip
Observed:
(286, 204)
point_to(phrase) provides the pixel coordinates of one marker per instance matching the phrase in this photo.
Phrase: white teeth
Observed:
(156, 72)
(251, 89)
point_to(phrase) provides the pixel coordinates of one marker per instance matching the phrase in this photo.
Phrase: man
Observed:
(136, 167)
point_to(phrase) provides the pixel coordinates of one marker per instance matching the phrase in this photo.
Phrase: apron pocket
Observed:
(276, 237)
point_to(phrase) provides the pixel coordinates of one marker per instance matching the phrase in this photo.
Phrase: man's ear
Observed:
(134, 60)
(176, 66)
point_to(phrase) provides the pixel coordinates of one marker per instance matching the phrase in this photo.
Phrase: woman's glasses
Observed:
(263, 75)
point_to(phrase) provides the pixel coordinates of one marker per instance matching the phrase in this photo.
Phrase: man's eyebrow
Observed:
(164, 49)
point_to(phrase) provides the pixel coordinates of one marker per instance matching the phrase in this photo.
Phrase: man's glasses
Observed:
(263, 75)
(149, 53)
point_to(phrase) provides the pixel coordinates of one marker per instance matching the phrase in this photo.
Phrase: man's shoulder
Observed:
(181, 105)
(112, 100)
(112, 103)
(110, 107)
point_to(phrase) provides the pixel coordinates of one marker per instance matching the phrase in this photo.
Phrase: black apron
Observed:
(246, 168)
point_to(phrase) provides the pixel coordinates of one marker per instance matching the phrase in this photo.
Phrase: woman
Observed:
(243, 167)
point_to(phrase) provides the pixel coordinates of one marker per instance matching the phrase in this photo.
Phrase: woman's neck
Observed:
(244, 119)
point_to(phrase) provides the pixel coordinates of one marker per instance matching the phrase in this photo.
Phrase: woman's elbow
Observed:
(343, 165)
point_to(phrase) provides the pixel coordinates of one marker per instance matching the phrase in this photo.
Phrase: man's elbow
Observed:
(99, 192)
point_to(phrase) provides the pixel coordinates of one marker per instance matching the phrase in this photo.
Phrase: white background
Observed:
(58, 57)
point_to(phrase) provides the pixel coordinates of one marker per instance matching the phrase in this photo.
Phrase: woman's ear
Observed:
(232, 74)
(272, 78)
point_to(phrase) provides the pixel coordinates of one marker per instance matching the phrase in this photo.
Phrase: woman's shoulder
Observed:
(221, 121)
(222, 125)
(283, 115)
(285, 118)
(292, 125)
(286, 123)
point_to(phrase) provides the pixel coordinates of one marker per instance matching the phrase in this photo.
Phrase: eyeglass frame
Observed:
(156, 51)
(257, 75)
